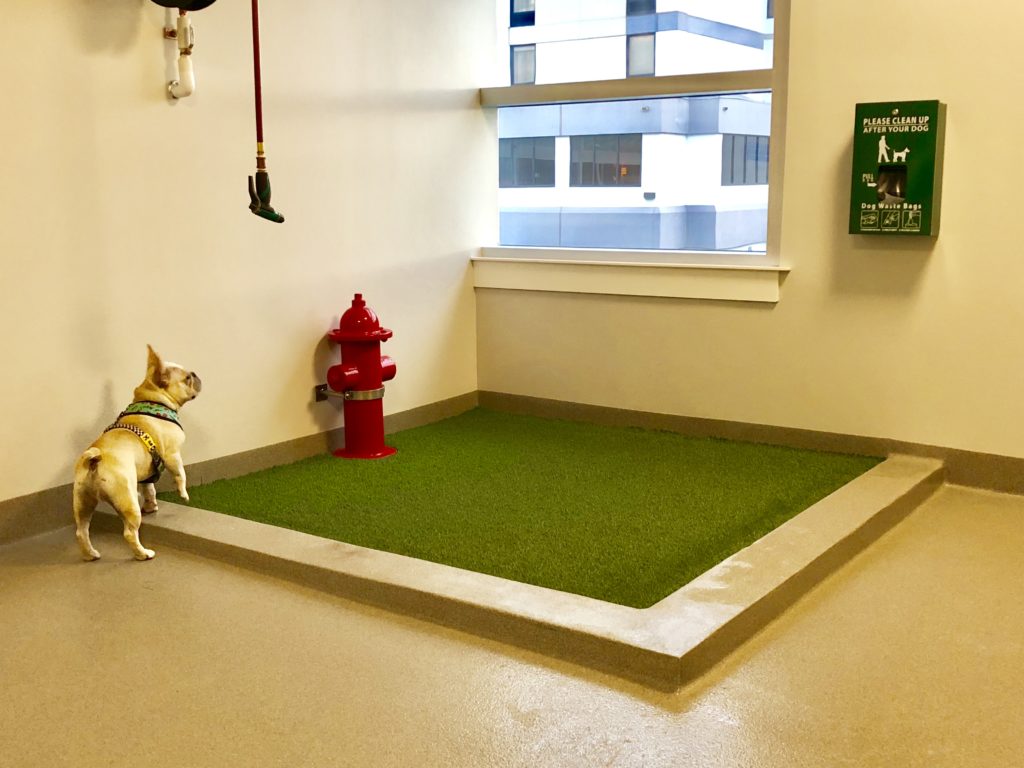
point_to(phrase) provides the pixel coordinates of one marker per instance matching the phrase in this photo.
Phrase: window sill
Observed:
(628, 273)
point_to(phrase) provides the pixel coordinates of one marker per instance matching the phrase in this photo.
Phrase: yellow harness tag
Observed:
(143, 435)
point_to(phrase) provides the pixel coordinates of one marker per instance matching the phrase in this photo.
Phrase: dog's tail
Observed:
(91, 458)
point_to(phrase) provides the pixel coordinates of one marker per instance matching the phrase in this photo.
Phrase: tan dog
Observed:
(130, 452)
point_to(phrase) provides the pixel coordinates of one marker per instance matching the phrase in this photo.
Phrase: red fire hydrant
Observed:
(360, 381)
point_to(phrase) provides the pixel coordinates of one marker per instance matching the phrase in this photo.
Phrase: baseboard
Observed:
(35, 513)
(48, 510)
(300, 448)
(978, 470)
(428, 414)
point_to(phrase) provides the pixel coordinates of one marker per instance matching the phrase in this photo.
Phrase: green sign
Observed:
(897, 168)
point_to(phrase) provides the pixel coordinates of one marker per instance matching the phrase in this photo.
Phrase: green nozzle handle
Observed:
(259, 198)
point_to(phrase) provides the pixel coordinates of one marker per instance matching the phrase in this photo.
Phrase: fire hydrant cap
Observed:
(359, 323)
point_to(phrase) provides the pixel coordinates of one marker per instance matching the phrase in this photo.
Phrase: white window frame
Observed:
(685, 274)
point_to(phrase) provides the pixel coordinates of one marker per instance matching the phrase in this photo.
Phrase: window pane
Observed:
(727, 159)
(522, 13)
(737, 160)
(506, 177)
(636, 174)
(606, 160)
(523, 64)
(583, 152)
(744, 160)
(762, 160)
(575, 159)
(526, 162)
(630, 156)
(544, 162)
(522, 155)
(524, 171)
(586, 175)
(750, 161)
(640, 55)
(522, 148)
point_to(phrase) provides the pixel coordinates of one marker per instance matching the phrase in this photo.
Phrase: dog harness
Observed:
(157, 411)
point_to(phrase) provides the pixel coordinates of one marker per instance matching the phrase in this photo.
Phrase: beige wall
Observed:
(125, 218)
(125, 222)
(911, 339)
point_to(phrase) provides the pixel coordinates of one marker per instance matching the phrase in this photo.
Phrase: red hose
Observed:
(259, 185)
(256, 74)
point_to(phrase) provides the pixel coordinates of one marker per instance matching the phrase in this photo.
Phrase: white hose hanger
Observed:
(185, 85)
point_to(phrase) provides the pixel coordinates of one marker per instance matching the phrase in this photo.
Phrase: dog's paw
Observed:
(150, 510)
(91, 555)
(145, 554)
(183, 493)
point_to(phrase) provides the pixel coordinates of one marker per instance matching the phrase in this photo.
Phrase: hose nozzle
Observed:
(259, 197)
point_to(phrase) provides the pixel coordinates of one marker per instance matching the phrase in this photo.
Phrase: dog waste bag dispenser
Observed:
(897, 168)
(360, 381)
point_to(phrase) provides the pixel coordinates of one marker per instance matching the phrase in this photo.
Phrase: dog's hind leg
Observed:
(125, 499)
(149, 505)
(84, 505)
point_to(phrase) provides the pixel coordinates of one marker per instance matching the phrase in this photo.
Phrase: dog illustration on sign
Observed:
(884, 149)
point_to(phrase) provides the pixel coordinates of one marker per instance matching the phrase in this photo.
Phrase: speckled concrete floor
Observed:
(913, 654)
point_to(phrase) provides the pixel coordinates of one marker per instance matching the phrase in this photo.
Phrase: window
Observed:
(528, 162)
(524, 64)
(640, 174)
(744, 160)
(663, 148)
(605, 161)
(640, 7)
(522, 14)
(640, 55)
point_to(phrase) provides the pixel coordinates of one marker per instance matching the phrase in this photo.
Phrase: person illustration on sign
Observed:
(883, 150)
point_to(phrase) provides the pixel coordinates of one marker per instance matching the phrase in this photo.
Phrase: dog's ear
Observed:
(155, 368)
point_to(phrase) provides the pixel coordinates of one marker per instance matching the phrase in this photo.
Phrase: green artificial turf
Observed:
(620, 514)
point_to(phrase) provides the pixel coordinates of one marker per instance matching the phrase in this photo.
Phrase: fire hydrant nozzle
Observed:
(359, 379)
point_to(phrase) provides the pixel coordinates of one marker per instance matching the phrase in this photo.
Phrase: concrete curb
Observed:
(664, 646)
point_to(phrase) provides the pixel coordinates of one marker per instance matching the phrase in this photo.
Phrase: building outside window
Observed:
(640, 55)
(527, 162)
(524, 64)
(665, 170)
(522, 13)
(605, 161)
(744, 160)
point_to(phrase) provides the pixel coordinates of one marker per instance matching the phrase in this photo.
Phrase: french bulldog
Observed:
(130, 452)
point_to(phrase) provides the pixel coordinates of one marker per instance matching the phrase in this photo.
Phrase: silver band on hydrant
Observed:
(364, 394)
